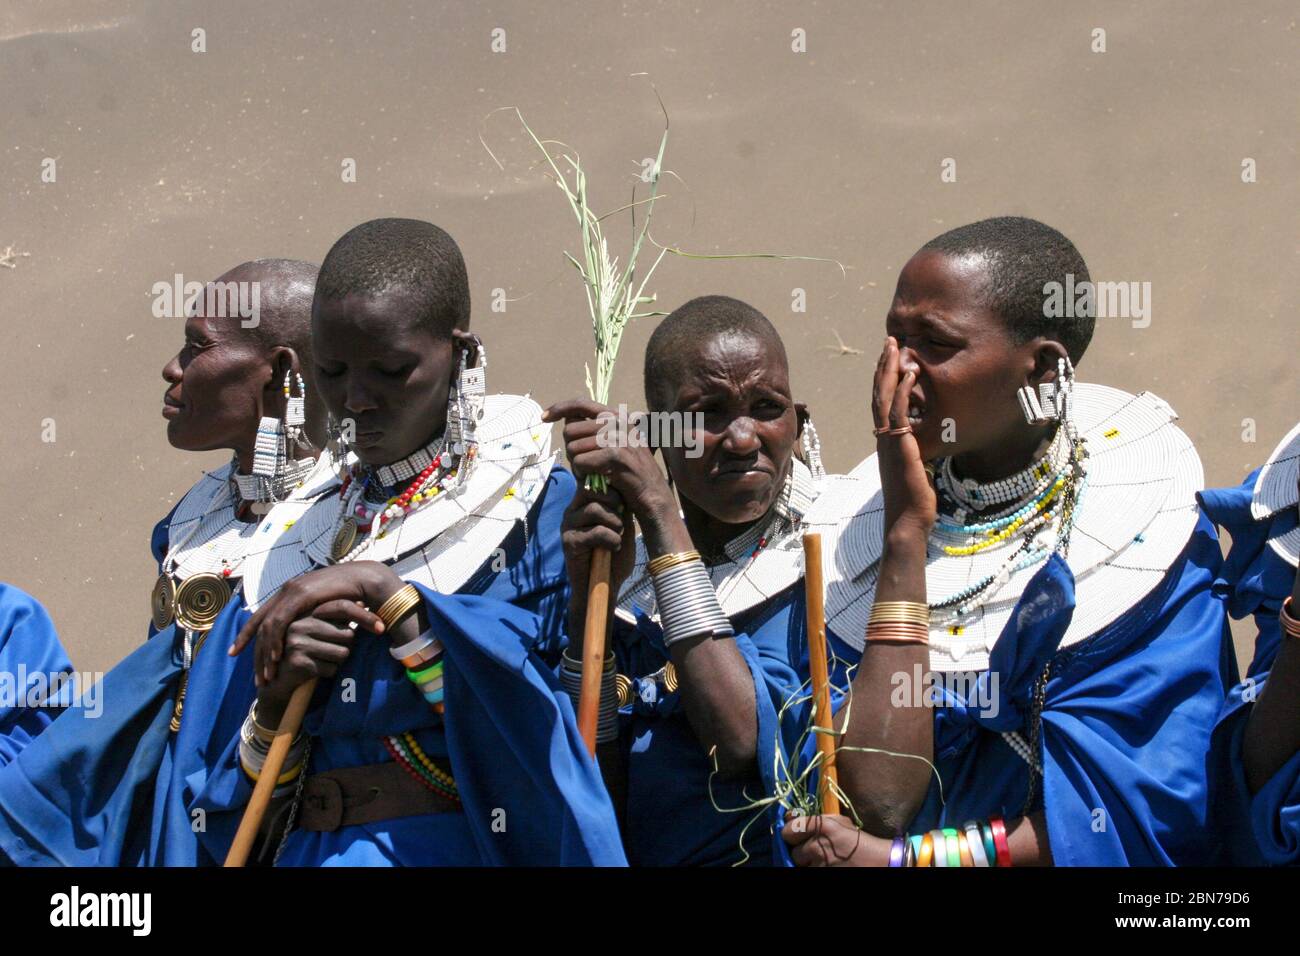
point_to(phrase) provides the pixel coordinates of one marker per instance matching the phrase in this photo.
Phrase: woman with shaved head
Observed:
(237, 383)
(709, 639)
(1076, 654)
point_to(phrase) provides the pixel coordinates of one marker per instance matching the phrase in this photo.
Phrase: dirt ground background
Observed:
(171, 161)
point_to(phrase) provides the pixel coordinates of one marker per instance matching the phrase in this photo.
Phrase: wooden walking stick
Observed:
(593, 646)
(820, 671)
(290, 723)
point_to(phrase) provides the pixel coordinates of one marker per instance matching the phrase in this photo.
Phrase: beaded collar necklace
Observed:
(226, 496)
(440, 471)
(965, 495)
(1059, 480)
(263, 489)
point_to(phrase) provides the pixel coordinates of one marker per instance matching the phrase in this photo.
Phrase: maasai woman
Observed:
(448, 524)
(1257, 728)
(31, 661)
(709, 631)
(237, 383)
(1078, 652)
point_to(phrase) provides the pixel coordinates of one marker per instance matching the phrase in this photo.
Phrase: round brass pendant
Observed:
(344, 540)
(623, 684)
(162, 602)
(670, 677)
(200, 599)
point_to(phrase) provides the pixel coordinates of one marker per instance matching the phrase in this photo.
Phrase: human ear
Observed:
(1046, 355)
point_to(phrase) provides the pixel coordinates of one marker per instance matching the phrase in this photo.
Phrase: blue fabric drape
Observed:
(1254, 580)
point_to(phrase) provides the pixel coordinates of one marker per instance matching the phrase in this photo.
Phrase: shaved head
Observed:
(674, 346)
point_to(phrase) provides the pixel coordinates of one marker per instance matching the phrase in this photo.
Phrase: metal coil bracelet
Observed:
(688, 605)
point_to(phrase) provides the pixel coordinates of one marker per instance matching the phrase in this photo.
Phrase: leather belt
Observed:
(351, 795)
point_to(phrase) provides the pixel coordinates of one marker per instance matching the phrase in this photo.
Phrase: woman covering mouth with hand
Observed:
(1077, 654)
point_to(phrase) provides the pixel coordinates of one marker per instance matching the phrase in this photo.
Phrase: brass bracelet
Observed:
(670, 560)
(1290, 623)
(898, 634)
(402, 602)
(908, 611)
(897, 617)
(265, 734)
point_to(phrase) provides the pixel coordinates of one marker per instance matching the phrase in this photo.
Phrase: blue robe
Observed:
(28, 646)
(672, 818)
(1255, 580)
(1126, 722)
(112, 789)
(530, 793)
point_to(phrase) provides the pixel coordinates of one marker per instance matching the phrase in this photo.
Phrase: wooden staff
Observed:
(593, 646)
(290, 723)
(812, 580)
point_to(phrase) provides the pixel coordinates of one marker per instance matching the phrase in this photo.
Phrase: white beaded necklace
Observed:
(975, 496)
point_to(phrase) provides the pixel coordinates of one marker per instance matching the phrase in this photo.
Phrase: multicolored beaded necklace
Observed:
(377, 518)
(1058, 479)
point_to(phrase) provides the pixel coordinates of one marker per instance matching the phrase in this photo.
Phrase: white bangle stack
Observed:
(607, 714)
(688, 605)
(255, 744)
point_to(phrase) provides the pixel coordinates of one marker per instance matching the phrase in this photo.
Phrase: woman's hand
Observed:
(597, 520)
(597, 443)
(910, 501)
(314, 646)
(357, 586)
(833, 841)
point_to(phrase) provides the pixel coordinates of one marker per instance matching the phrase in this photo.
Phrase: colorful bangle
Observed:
(975, 841)
(1000, 840)
(897, 851)
(914, 849)
(433, 696)
(426, 673)
(424, 648)
(963, 847)
(954, 848)
(925, 856)
(990, 848)
(940, 848)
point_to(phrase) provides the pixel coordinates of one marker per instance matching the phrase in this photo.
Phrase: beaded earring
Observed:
(465, 401)
(295, 412)
(1051, 401)
(275, 471)
(812, 450)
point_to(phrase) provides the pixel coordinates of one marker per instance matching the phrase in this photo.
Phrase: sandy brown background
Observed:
(171, 161)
